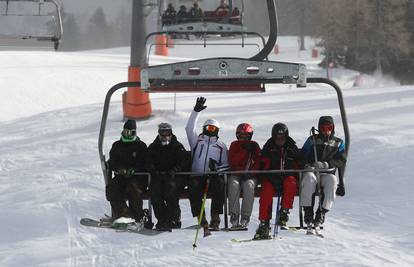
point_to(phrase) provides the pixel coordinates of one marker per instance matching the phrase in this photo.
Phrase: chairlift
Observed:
(224, 74)
(55, 19)
(226, 21)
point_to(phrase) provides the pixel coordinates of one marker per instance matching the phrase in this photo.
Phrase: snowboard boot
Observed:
(234, 220)
(263, 232)
(283, 217)
(320, 217)
(244, 221)
(215, 222)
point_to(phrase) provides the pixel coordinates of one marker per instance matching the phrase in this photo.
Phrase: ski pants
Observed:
(237, 184)
(196, 188)
(121, 189)
(290, 189)
(329, 183)
(164, 191)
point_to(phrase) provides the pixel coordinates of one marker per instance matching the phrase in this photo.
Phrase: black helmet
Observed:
(280, 129)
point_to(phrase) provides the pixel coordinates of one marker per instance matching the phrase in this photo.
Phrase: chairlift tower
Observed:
(136, 103)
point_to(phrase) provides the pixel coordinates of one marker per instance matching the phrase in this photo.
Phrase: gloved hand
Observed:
(212, 165)
(130, 172)
(199, 106)
(123, 172)
(340, 190)
(249, 147)
(321, 165)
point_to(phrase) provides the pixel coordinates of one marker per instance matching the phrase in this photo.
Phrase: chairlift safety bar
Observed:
(221, 70)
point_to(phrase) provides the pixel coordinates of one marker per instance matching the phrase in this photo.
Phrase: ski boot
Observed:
(244, 221)
(319, 220)
(204, 225)
(308, 218)
(263, 232)
(283, 218)
(234, 220)
(215, 222)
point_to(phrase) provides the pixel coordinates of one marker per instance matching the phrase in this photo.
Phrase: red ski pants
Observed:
(290, 189)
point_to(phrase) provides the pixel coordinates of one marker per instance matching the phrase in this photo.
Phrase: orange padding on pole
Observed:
(161, 48)
(136, 104)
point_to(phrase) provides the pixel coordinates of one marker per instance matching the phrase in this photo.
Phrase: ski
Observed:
(249, 240)
(236, 229)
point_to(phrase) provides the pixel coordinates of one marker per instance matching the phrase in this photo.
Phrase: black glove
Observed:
(212, 165)
(249, 147)
(340, 191)
(199, 106)
(123, 172)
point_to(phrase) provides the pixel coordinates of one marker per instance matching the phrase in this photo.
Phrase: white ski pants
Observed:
(329, 183)
(237, 184)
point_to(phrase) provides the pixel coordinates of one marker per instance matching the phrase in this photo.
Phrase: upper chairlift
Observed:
(46, 11)
(222, 20)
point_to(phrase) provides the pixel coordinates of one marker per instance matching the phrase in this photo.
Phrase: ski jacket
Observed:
(165, 158)
(288, 154)
(128, 155)
(239, 156)
(330, 149)
(204, 148)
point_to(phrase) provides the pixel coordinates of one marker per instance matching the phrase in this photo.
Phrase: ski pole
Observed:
(276, 230)
(318, 175)
(203, 205)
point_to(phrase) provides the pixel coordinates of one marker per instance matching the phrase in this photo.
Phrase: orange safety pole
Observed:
(136, 103)
(161, 48)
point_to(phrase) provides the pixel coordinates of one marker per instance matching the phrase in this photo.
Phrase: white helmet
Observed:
(212, 122)
(211, 127)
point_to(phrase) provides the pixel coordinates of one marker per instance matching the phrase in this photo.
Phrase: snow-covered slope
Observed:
(51, 106)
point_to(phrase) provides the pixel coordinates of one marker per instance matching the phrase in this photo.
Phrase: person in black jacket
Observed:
(126, 158)
(330, 153)
(279, 153)
(166, 156)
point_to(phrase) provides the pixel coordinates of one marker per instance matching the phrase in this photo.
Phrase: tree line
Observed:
(99, 32)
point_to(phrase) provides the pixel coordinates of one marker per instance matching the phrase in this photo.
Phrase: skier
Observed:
(127, 157)
(330, 153)
(244, 154)
(195, 12)
(223, 7)
(208, 154)
(166, 156)
(280, 152)
(169, 16)
(182, 15)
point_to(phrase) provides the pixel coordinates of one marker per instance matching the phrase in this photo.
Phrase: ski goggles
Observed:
(326, 128)
(128, 132)
(211, 128)
(165, 133)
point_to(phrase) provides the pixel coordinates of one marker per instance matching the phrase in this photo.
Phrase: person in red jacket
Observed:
(244, 154)
(280, 152)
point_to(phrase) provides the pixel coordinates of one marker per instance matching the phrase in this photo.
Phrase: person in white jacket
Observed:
(208, 154)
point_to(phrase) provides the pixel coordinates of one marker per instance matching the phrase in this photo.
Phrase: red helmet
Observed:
(244, 129)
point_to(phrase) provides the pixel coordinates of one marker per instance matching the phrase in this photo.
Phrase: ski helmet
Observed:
(244, 129)
(164, 133)
(326, 125)
(280, 129)
(211, 127)
(130, 130)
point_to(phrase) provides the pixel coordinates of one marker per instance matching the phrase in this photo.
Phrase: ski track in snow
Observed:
(51, 176)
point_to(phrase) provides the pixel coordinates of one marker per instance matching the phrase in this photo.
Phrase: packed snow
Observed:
(50, 114)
